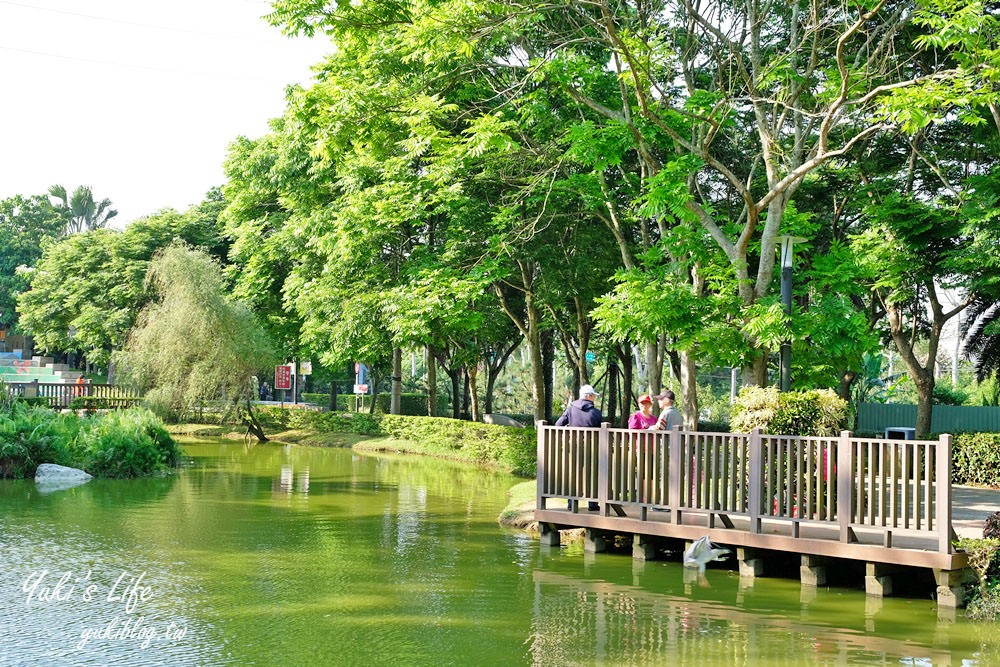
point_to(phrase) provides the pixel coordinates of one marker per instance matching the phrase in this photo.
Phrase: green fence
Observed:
(876, 417)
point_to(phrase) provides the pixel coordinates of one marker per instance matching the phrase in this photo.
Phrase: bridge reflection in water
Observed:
(587, 620)
(884, 502)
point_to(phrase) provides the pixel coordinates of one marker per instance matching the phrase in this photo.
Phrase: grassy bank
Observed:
(498, 447)
(123, 443)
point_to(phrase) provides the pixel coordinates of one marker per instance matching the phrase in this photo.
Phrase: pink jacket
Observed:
(641, 421)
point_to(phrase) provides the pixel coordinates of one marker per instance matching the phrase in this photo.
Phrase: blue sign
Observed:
(591, 356)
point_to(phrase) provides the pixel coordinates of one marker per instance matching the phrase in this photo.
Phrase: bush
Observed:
(409, 404)
(130, 443)
(975, 459)
(813, 412)
(30, 436)
(984, 601)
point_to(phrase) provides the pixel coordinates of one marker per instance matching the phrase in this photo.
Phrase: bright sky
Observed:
(137, 99)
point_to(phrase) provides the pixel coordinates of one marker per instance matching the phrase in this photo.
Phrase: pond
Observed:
(268, 555)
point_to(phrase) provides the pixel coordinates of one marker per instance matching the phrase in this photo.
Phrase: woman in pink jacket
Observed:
(643, 418)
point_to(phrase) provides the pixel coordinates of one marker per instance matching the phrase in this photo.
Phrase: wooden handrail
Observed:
(843, 482)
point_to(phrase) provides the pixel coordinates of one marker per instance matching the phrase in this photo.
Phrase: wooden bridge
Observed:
(886, 503)
(62, 395)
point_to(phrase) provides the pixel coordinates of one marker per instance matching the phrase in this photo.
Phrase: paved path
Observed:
(970, 506)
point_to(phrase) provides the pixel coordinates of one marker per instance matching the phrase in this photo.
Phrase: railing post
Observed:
(756, 479)
(942, 471)
(845, 485)
(540, 471)
(603, 449)
(676, 473)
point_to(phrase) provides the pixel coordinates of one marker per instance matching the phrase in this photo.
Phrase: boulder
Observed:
(502, 420)
(50, 477)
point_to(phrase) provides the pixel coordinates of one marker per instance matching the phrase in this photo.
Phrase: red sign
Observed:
(283, 377)
(360, 389)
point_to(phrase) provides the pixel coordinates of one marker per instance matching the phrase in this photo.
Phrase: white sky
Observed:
(137, 99)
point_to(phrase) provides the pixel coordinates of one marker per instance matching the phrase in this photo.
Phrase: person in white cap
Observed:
(582, 412)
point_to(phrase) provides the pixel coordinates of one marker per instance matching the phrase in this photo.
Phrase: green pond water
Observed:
(271, 555)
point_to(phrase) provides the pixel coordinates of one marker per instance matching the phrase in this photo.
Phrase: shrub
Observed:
(984, 602)
(409, 404)
(975, 459)
(128, 443)
(30, 436)
(813, 412)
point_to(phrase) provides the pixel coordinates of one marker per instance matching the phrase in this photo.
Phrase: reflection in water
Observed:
(286, 555)
(624, 624)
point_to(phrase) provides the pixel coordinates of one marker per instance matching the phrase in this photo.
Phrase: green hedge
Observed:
(975, 459)
(512, 449)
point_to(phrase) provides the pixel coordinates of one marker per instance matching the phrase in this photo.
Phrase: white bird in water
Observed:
(701, 552)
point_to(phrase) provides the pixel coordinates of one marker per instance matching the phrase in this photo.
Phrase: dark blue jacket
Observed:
(580, 412)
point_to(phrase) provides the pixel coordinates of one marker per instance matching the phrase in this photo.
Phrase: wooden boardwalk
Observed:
(887, 503)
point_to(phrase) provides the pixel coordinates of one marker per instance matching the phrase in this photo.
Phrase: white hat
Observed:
(586, 390)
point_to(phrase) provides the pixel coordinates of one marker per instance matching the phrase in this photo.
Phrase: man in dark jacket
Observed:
(582, 412)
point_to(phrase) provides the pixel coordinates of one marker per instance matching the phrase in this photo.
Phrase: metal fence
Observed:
(876, 417)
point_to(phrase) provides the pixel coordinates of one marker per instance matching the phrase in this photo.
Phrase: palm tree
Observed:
(982, 337)
(82, 212)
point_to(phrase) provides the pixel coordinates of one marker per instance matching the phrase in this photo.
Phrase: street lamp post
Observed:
(785, 361)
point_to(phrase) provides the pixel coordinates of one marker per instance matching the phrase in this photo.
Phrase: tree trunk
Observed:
(689, 391)
(431, 382)
(654, 368)
(397, 381)
(465, 392)
(755, 375)
(494, 365)
(925, 400)
(473, 393)
(548, 357)
(534, 341)
(333, 396)
(454, 374)
(252, 423)
(625, 359)
(612, 390)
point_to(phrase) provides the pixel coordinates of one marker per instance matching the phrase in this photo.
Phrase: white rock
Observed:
(51, 471)
(50, 477)
(502, 420)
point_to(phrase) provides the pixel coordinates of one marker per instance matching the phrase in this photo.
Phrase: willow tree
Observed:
(192, 344)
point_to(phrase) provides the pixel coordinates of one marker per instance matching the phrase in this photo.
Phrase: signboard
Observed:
(591, 356)
(305, 368)
(360, 389)
(283, 377)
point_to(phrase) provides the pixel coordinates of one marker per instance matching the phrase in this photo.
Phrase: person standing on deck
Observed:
(582, 412)
(669, 415)
(643, 418)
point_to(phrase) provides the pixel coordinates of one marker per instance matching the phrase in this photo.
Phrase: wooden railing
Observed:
(62, 395)
(846, 482)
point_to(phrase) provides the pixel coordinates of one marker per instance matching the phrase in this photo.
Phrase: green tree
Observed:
(26, 225)
(82, 212)
(87, 288)
(191, 343)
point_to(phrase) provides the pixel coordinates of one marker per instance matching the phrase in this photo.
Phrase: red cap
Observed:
(645, 398)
